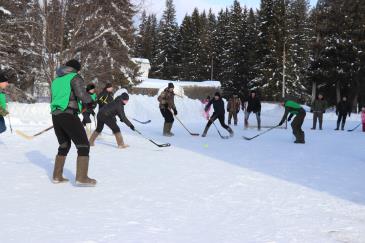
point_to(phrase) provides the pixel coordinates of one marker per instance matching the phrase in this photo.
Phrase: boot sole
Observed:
(59, 182)
(80, 184)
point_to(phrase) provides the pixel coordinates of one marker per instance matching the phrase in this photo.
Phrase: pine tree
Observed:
(104, 41)
(251, 42)
(233, 80)
(167, 56)
(297, 49)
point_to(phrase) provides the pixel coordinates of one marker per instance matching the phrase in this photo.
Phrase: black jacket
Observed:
(253, 105)
(104, 98)
(78, 92)
(343, 108)
(115, 108)
(218, 106)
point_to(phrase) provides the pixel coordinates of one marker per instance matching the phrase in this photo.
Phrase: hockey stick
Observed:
(192, 134)
(353, 129)
(223, 137)
(268, 130)
(158, 145)
(142, 122)
(30, 137)
(11, 128)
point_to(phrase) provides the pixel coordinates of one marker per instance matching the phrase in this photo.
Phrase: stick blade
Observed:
(164, 145)
(23, 135)
(194, 134)
(249, 139)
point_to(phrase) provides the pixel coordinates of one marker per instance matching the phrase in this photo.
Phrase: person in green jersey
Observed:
(3, 112)
(294, 109)
(68, 93)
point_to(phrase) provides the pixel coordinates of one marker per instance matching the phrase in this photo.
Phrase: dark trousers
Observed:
(86, 118)
(69, 128)
(317, 116)
(341, 120)
(220, 118)
(2, 124)
(167, 114)
(297, 126)
(234, 115)
(258, 118)
(111, 122)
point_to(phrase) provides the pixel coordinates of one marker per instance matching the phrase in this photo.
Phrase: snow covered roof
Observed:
(141, 60)
(2, 9)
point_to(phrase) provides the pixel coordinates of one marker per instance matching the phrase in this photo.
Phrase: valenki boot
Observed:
(82, 178)
(58, 170)
(120, 141)
(93, 138)
(165, 130)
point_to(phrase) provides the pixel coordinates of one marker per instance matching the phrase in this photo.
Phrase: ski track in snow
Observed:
(198, 190)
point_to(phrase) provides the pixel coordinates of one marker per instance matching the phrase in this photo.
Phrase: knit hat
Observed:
(74, 64)
(3, 78)
(217, 94)
(124, 96)
(170, 85)
(90, 87)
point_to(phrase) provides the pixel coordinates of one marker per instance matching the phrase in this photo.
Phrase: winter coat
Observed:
(253, 105)
(218, 106)
(78, 91)
(234, 105)
(104, 98)
(319, 106)
(3, 111)
(115, 108)
(343, 108)
(166, 99)
(363, 117)
(291, 108)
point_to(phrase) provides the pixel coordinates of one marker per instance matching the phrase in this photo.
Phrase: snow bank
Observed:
(159, 83)
(144, 107)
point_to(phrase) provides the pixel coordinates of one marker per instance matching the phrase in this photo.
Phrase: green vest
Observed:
(295, 107)
(61, 92)
(2, 101)
(93, 97)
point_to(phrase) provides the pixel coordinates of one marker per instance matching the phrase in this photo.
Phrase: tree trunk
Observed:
(338, 91)
(314, 91)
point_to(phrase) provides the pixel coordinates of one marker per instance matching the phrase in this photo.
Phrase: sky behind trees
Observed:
(187, 6)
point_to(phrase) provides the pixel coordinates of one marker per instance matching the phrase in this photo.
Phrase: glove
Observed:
(175, 112)
(132, 127)
(3, 112)
(311, 111)
(289, 119)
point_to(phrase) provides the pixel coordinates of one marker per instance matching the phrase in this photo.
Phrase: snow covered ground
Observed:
(199, 190)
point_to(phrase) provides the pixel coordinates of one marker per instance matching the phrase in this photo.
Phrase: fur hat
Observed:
(3, 78)
(170, 85)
